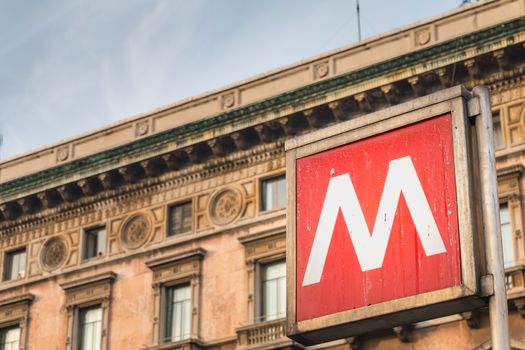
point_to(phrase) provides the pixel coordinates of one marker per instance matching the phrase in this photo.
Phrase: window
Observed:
(178, 312)
(180, 218)
(88, 305)
(273, 194)
(94, 242)
(507, 236)
(498, 133)
(15, 264)
(176, 284)
(273, 286)
(90, 332)
(10, 338)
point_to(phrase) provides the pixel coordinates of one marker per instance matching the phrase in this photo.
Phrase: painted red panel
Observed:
(406, 269)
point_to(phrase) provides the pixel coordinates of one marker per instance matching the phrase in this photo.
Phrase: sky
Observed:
(67, 67)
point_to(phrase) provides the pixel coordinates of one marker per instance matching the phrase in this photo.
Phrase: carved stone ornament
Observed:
(321, 70)
(54, 253)
(226, 205)
(228, 100)
(135, 231)
(423, 36)
(62, 154)
(142, 128)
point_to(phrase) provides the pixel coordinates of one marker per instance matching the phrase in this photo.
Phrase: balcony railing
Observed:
(515, 281)
(266, 334)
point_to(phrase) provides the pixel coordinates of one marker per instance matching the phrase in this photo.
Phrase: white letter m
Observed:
(371, 248)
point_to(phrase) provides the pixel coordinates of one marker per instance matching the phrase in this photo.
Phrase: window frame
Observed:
(14, 312)
(7, 263)
(261, 249)
(88, 231)
(6, 329)
(509, 190)
(503, 144)
(163, 336)
(83, 294)
(79, 331)
(180, 269)
(260, 191)
(181, 202)
(260, 316)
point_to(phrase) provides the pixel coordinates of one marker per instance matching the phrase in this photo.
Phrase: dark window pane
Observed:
(15, 264)
(180, 218)
(94, 242)
(498, 133)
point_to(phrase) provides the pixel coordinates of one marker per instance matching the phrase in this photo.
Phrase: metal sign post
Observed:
(491, 221)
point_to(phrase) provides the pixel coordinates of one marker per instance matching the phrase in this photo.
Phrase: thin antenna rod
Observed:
(358, 20)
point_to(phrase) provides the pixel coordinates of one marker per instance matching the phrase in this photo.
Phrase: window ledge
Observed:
(185, 344)
(265, 335)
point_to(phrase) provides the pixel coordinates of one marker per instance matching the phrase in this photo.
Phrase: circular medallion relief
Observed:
(226, 205)
(54, 253)
(135, 231)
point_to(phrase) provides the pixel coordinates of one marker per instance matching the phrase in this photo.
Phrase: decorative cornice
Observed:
(107, 277)
(24, 298)
(272, 106)
(198, 253)
(192, 174)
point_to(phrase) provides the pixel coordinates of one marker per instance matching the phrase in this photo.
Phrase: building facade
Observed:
(168, 230)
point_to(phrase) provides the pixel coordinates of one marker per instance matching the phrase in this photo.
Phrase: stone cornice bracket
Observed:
(318, 117)
(391, 93)
(199, 153)
(222, 146)
(404, 333)
(503, 59)
(90, 186)
(364, 102)
(154, 166)
(473, 318)
(11, 210)
(70, 192)
(293, 124)
(176, 160)
(30, 204)
(354, 343)
(266, 133)
(111, 180)
(245, 139)
(472, 68)
(132, 173)
(417, 85)
(50, 198)
(444, 77)
(340, 109)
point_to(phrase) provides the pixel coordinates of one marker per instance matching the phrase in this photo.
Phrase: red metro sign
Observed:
(377, 220)
(376, 227)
